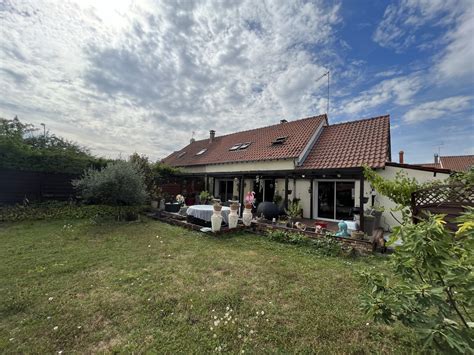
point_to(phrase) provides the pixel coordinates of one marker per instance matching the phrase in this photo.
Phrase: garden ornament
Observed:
(342, 232)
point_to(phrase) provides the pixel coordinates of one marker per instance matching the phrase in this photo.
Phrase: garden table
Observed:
(205, 212)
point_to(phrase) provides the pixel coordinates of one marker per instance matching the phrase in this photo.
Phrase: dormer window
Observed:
(235, 146)
(244, 145)
(180, 155)
(202, 151)
(279, 140)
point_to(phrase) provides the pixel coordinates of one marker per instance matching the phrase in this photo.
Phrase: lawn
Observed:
(146, 286)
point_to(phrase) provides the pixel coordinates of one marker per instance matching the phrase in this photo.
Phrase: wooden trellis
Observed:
(450, 200)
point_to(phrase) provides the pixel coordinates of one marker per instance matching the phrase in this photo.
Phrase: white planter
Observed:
(216, 221)
(247, 217)
(233, 218)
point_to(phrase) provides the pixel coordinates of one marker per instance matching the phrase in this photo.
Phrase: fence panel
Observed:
(450, 200)
(15, 185)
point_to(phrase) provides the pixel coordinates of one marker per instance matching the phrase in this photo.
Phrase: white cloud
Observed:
(399, 27)
(457, 61)
(125, 76)
(399, 90)
(438, 109)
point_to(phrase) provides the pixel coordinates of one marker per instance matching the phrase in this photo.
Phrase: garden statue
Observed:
(247, 214)
(216, 218)
(342, 232)
(233, 216)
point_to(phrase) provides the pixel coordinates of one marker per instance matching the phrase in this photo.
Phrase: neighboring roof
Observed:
(433, 168)
(457, 162)
(298, 134)
(352, 144)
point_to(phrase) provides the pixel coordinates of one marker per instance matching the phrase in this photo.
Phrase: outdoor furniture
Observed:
(172, 207)
(204, 212)
(268, 210)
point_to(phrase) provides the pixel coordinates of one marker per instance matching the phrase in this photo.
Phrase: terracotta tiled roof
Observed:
(457, 162)
(453, 162)
(298, 134)
(352, 144)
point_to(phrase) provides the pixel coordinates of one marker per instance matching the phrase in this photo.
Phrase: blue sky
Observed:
(123, 76)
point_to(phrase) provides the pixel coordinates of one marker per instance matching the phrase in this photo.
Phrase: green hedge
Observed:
(59, 210)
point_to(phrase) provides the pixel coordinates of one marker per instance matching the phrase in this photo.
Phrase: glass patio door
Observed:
(335, 199)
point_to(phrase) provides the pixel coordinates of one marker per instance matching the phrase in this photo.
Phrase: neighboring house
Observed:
(456, 163)
(308, 159)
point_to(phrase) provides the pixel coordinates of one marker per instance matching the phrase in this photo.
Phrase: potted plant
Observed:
(155, 196)
(249, 203)
(204, 197)
(293, 211)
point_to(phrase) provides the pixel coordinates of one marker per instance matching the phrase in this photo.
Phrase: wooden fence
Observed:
(450, 200)
(15, 185)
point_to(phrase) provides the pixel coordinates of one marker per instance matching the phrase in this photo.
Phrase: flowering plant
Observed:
(180, 198)
(250, 198)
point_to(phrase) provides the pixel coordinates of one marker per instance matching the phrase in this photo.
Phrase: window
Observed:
(180, 155)
(202, 151)
(226, 190)
(235, 146)
(245, 145)
(279, 140)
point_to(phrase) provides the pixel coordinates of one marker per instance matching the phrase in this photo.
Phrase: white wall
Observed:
(301, 192)
(388, 221)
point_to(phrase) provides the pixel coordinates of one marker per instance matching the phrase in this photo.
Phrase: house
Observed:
(458, 163)
(319, 163)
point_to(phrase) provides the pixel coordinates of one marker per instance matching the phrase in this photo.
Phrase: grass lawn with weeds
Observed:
(80, 286)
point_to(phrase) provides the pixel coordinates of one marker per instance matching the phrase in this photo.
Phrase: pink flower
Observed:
(250, 198)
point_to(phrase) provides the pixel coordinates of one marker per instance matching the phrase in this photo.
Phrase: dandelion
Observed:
(215, 336)
(213, 310)
(211, 328)
(262, 313)
(243, 351)
(367, 323)
(216, 322)
(79, 327)
(11, 339)
(161, 241)
(149, 299)
(239, 336)
(50, 299)
(202, 290)
(149, 246)
(60, 352)
(215, 317)
(55, 328)
(225, 322)
(251, 331)
(227, 308)
(48, 317)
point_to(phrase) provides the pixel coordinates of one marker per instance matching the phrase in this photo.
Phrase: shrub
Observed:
(327, 245)
(118, 184)
(61, 210)
(434, 293)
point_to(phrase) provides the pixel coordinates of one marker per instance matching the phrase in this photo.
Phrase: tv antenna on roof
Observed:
(322, 76)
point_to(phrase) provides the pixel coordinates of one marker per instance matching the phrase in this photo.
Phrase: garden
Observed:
(99, 273)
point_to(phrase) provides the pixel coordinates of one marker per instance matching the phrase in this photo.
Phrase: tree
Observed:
(22, 149)
(433, 291)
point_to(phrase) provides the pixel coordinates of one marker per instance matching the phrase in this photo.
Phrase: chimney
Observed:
(400, 157)
(283, 121)
(436, 158)
(192, 140)
(212, 135)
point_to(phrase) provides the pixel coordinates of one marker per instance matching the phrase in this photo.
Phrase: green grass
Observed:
(149, 286)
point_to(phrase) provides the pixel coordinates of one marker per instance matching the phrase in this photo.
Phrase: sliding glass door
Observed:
(335, 199)
(226, 190)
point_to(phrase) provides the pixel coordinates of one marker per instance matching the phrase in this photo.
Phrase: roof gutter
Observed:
(312, 141)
